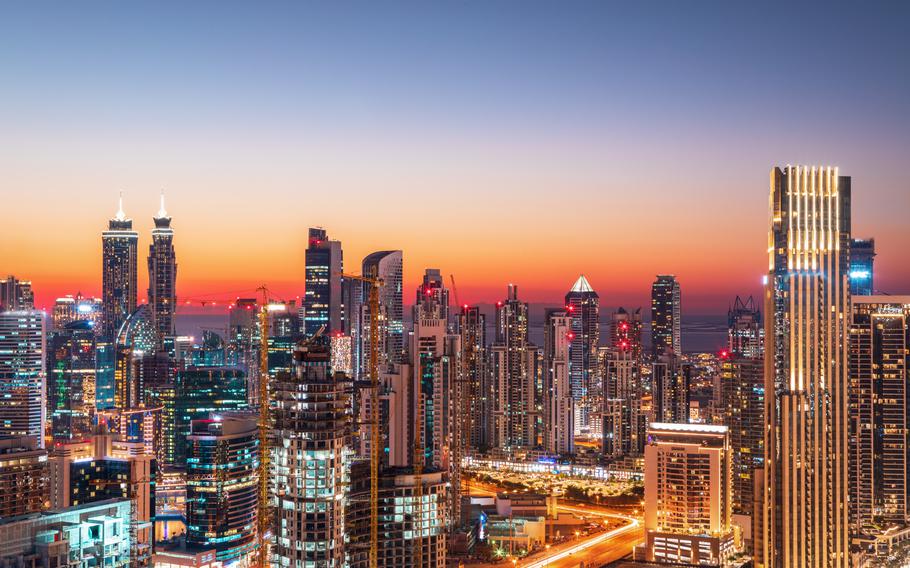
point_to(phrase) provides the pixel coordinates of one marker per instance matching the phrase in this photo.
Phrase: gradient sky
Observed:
(502, 142)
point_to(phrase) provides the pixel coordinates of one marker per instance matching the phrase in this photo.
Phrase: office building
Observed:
(136, 337)
(666, 317)
(16, 295)
(472, 326)
(309, 459)
(862, 257)
(412, 523)
(688, 495)
(583, 307)
(222, 486)
(512, 365)
(559, 404)
(322, 301)
(22, 374)
(879, 363)
(23, 476)
(807, 309)
(118, 272)
(387, 266)
(199, 392)
(162, 262)
(71, 388)
(92, 534)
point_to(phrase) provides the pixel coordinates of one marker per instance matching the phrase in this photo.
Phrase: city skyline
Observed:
(496, 113)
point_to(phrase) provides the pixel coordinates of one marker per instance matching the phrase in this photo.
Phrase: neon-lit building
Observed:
(666, 316)
(22, 374)
(71, 384)
(807, 321)
(222, 487)
(118, 272)
(162, 263)
(200, 391)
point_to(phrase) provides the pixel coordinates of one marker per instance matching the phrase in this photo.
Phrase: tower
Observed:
(162, 264)
(559, 405)
(472, 326)
(387, 266)
(322, 301)
(118, 272)
(22, 374)
(432, 299)
(625, 332)
(745, 333)
(583, 307)
(807, 303)
(514, 387)
(666, 317)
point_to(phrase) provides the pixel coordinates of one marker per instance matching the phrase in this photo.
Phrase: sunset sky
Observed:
(501, 142)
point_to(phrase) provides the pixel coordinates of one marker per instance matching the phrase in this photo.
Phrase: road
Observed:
(594, 550)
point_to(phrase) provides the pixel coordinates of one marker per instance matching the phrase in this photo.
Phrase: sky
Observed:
(501, 142)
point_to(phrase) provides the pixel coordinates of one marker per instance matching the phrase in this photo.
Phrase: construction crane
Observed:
(373, 302)
(263, 514)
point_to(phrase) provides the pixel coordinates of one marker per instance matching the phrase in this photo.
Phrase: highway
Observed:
(595, 550)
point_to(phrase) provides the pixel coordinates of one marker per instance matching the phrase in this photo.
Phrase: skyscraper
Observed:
(624, 422)
(670, 386)
(688, 495)
(559, 405)
(513, 382)
(309, 459)
(807, 304)
(222, 492)
(432, 299)
(322, 301)
(879, 363)
(163, 275)
(68, 309)
(16, 295)
(22, 374)
(472, 326)
(862, 257)
(387, 266)
(71, 368)
(118, 272)
(625, 332)
(199, 392)
(583, 307)
(666, 317)
(745, 333)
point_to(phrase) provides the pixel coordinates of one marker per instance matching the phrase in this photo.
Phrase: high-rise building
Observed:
(322, 302)
(862, 257)
(878, 413)
(412, 524)
(625, 332)
(624, 421)
(16, 295)
(199, 392)
(559, 405)
(688, 495)
(387, 266)
(23, 476)
(666, 317)
(118, 272)
(743, 412)
(22, 374)
(807, 308)
(745, 332)
(477, 392)
(671, 389)
(432, 299)
(513, 381)
(583, 307)
(309, 459)
(68, 309)
(222, 489)
(163, 275)
(136, 337)
(71, 387)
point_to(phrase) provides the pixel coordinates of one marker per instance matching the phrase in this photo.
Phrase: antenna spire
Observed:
(120, 216)
(162, 213)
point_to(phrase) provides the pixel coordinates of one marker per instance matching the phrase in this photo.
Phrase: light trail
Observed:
(541, 563)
